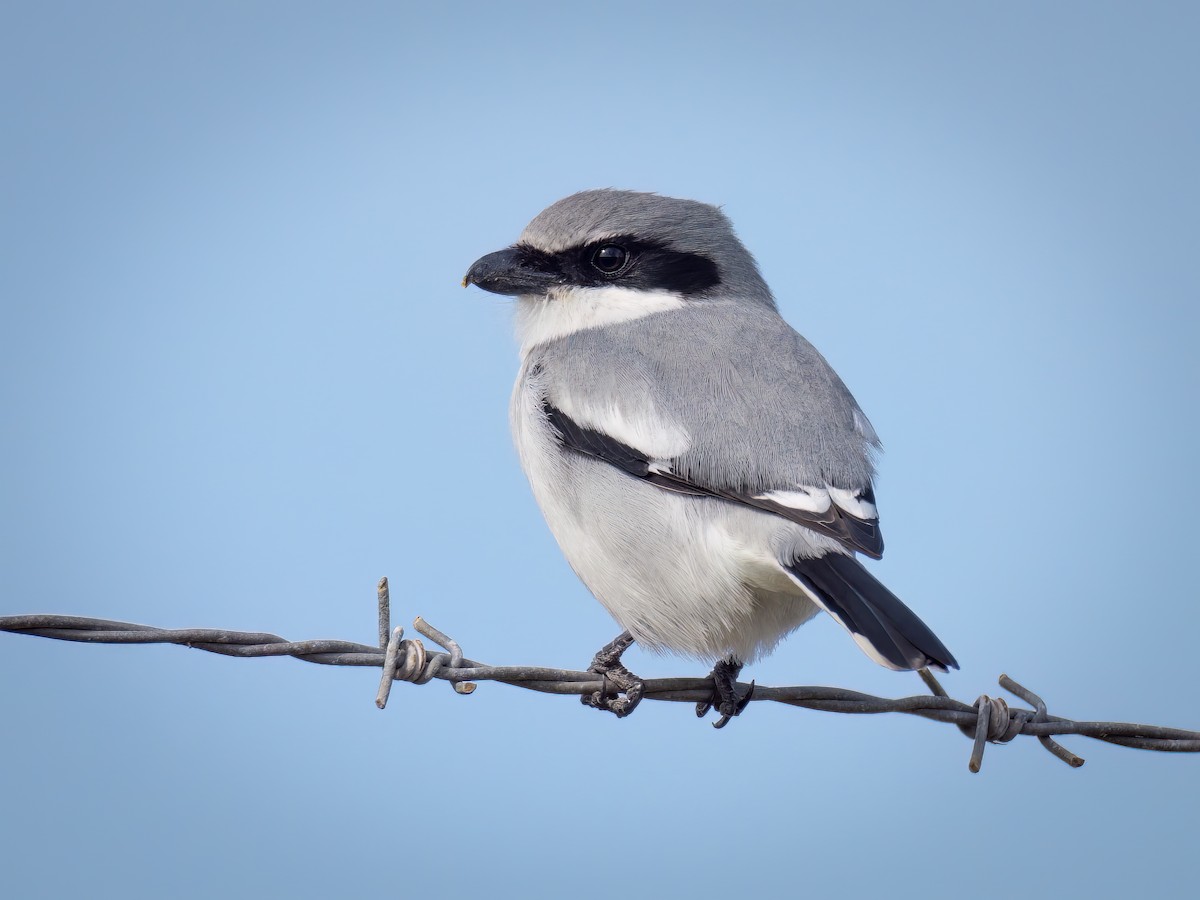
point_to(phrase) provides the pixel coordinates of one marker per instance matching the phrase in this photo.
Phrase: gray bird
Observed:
(705, 471)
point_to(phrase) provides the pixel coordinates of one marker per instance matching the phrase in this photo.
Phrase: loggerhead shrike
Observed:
(705, 471)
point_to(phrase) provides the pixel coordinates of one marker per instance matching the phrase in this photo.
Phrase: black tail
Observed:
(880, 623)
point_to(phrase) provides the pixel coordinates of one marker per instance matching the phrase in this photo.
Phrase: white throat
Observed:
(570, 309)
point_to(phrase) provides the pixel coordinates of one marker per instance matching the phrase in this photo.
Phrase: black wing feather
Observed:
(862, 535)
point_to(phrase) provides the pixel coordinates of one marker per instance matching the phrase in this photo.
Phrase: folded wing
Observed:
(847, 516)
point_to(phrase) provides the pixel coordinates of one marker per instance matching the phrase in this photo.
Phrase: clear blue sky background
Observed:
(240, 382)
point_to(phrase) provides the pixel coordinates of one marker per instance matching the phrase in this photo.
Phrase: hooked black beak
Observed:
(512, 271)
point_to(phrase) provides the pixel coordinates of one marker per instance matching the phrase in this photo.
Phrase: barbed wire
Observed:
(987, 720)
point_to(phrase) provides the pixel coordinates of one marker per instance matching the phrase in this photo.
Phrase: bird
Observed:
(705, 472)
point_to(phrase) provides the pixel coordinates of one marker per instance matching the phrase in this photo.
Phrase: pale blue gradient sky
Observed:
(240, 382)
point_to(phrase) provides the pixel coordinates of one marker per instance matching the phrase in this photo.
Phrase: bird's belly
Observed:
(688, 574)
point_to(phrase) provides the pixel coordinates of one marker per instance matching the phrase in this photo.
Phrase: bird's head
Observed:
(610, 246)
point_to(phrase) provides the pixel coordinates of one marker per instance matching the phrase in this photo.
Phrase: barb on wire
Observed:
(987, 720)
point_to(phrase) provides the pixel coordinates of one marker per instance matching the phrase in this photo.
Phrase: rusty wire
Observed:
(987, 720)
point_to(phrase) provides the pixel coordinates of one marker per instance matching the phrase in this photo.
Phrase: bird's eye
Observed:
(611, 259)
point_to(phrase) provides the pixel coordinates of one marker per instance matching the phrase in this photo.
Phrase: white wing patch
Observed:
(817, 500)
(641, 427)
(566, 310)
(856, 506)
(806, 499)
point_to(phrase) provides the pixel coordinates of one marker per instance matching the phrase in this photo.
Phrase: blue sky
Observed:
(240, 382)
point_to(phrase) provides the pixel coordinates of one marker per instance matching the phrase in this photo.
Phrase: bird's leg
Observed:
(607, 664)
(725, 697)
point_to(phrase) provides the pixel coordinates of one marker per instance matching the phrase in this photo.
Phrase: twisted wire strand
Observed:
(988, 720)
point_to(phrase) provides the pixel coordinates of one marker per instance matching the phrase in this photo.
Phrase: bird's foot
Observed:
(725, 695)
(625, 681)
(607, 664)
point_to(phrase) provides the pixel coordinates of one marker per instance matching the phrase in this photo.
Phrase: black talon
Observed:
(745, 701)
(737, 708)
(725, 697)
(607, 664)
